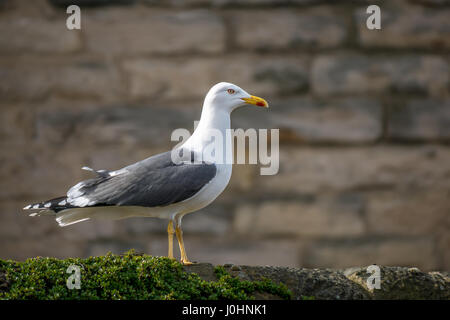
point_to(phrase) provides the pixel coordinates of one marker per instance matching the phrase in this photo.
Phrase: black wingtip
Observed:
(55, 204)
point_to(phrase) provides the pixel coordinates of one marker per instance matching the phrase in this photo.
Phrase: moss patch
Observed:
(128, 276)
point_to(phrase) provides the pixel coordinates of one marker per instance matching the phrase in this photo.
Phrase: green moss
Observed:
(128, 276)
(234, 288)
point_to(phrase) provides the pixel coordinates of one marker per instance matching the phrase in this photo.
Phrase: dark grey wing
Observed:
(155, 181)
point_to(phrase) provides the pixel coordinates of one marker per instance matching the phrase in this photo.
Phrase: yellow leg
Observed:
(170, 232)
(184, 258)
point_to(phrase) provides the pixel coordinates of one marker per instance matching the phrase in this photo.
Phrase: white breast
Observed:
(210, 191)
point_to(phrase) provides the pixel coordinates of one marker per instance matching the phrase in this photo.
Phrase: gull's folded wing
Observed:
(155, 181)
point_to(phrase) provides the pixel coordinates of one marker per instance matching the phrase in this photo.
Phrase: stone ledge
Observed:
(349, 284)
(135, 275)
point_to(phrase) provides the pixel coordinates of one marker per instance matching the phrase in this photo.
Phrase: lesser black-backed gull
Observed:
(158, 186)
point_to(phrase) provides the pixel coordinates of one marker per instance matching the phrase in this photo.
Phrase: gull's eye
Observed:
(231, 91)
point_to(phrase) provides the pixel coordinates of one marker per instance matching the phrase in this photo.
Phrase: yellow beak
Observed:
(257, 101)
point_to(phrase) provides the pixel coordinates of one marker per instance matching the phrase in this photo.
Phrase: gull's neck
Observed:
(212, 121)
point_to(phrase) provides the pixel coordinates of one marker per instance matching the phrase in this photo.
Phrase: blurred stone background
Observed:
(364, 120)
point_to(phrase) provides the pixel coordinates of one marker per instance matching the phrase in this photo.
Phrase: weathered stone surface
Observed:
(21, 81)
(16, 125)
(443, 243)
(178, 3)
(35, 34)
(411, 251)
(325, 169)
(421, 119)
(41, 174)
(240, 249)
(127, 125)
(88, 3)
(241, 180)
(214, 219)
(145, 225)
(204, 270)
(326, 218)
(228, 248)
(48, 246)
(249, 3)
(227, 3)
(127, 31)
(92, 230)
(288, 29)
(362, 74)
(312, 120)
(407, 27)
(17, 225)
(431, 2)
(36, 79)
(411, 212)
(320, 284)
(401, 283)
(210, 220)
(191, 79)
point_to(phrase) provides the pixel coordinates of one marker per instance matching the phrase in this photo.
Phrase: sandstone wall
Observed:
(364, 120)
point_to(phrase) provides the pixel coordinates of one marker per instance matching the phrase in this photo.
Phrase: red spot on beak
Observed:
(260, 104)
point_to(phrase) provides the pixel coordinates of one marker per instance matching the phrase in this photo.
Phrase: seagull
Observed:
(158, 186)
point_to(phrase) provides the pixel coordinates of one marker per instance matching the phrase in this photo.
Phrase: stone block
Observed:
(324, 218)
(140, 30)
(184, 79)
(281, 29)
(328, 169)
(406, 27)
(376, 74)
(417, 252)
(313, 120)
(420, 120)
